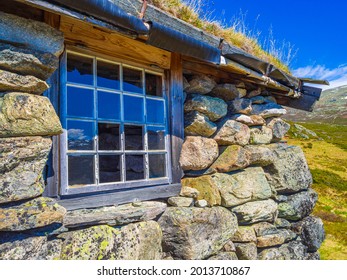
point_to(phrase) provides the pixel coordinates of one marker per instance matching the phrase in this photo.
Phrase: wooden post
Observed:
(176, 114)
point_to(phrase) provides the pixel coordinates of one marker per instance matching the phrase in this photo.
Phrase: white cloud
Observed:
(336, 77)
(76, 134)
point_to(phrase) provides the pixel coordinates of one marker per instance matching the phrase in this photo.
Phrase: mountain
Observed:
(331, 108)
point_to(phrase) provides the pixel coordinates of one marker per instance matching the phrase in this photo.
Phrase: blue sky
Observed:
(316, 29)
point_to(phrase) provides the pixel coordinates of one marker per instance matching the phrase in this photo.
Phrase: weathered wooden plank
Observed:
(8, 6)
(52, 19)
(312, 91)
(121, 197)
(82, 34)
(304, 103)
(176, 114)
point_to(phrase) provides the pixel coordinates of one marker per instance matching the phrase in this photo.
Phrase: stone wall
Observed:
(245, 194)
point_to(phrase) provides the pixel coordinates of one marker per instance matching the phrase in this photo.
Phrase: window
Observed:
(115, 126)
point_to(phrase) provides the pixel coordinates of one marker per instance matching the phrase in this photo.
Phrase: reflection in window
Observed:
(109, 168)
(132, 80)
(133, 108)
(134, 167)
(156, 138)
(81, 170)
(80, 102)
(109, 139)
(155, 111)
(79, 69)
(157, 166)
(133, 137)
(108, 75)
(80, 135)
(154, 85)
(108, 105)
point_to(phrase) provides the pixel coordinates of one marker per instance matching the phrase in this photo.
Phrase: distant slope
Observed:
(331, 108)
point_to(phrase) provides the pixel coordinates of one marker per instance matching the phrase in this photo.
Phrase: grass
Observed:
(237, 33)
(327, 159)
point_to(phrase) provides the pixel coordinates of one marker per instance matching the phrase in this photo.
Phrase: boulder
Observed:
(114, 215)
(138, 241)
(240, 106)
(22, 161)
(23, 114)
(298, 206)
(24, 61)
(214, 108)
(246, 251)
(181, 201)
(197, 124)
(282, 223)
(14, 82)
(277, 238)
(243, 186)
(258, 100)
(201, 203)
(244, 234)
(34, 34)
(200, 84)
(206, 188)
(35, 213)
(226, 256)
(313, 256)
(254, 92)
(198, 153)
(311, 231)
(228, 91)
(268, 110)
(229, 246)
(196, 233)
(279, 128)
(260, 155)
(189, 192)
(260, 135)
(293, 250)
(289, 172)
(231, 132)
(253, 120)
(231, 158)
(256, 211)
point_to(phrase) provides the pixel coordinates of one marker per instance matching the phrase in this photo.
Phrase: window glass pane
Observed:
(81, 170)
(157, 166)
(132, 80)
(134, 167)
(79, 69)
(154, 85)
(156, 138)
(109, 168)
(80, 135)
(109, 136)
(108, 105)
(133, 137)
(80, 102)
(108, 75)
(133, 109)
(155, 111)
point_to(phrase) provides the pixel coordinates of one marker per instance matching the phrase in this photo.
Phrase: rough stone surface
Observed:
(311, 231)
(196, 233)
(268, 110)
(197, 124)
(27, 62)
(214, 108)
(229, 246)
(206, 187)
(139, 241)
(23, 114)
(258, 100)
(114, 215)
(231, 158)
(243, 186)
(254, 92)
(231, 132)
(277, 238)
(260, 135)
(189, 192)
(240, 106)
(14, 82)
(226, 256)
(34, 34)
(256, 211)
(298, 206)
(198, 153)
(282, 223)
(279, 128)
(260, 155)
(35, 213)
(200, 84)
(313, 256)
(22, 161)
(246, 251)
(293, 250)
(228, 92)
(257, 120)
(289, 172)
(244, 234)
(181, 201)
(201, 203)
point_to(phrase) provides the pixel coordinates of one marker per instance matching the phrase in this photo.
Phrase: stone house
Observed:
(146, 137)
